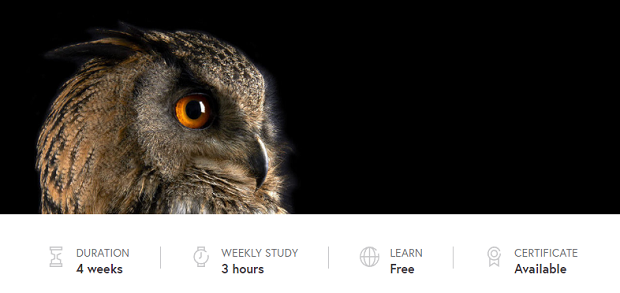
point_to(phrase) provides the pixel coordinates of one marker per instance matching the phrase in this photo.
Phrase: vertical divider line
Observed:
(160, 257)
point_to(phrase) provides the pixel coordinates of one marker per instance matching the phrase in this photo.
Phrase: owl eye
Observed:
(193, 111)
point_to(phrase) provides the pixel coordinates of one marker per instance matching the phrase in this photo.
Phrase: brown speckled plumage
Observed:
(112, 144)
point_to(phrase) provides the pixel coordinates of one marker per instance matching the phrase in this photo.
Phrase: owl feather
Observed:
(117, 137)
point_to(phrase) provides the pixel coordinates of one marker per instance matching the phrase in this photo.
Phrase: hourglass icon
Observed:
(56, 250)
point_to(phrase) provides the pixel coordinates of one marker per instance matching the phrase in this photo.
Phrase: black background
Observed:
(387, 110)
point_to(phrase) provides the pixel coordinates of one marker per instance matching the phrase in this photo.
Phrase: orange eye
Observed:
(193, 111)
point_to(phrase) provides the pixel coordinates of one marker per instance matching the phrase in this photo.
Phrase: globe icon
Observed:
(369, 256)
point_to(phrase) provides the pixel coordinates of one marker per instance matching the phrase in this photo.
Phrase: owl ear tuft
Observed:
(109, 44)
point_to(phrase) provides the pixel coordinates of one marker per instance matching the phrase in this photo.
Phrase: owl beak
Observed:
(260, 164)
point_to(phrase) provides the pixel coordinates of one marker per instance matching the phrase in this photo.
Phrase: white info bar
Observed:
(310, 253)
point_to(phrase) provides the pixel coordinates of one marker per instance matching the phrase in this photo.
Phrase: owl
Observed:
(160, 122)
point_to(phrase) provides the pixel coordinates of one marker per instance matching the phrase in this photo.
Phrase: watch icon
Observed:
(201, 256)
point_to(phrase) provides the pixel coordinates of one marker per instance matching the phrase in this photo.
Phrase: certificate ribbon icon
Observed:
(494, 253)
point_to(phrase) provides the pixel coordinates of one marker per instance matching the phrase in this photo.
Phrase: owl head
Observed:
(160, 122)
